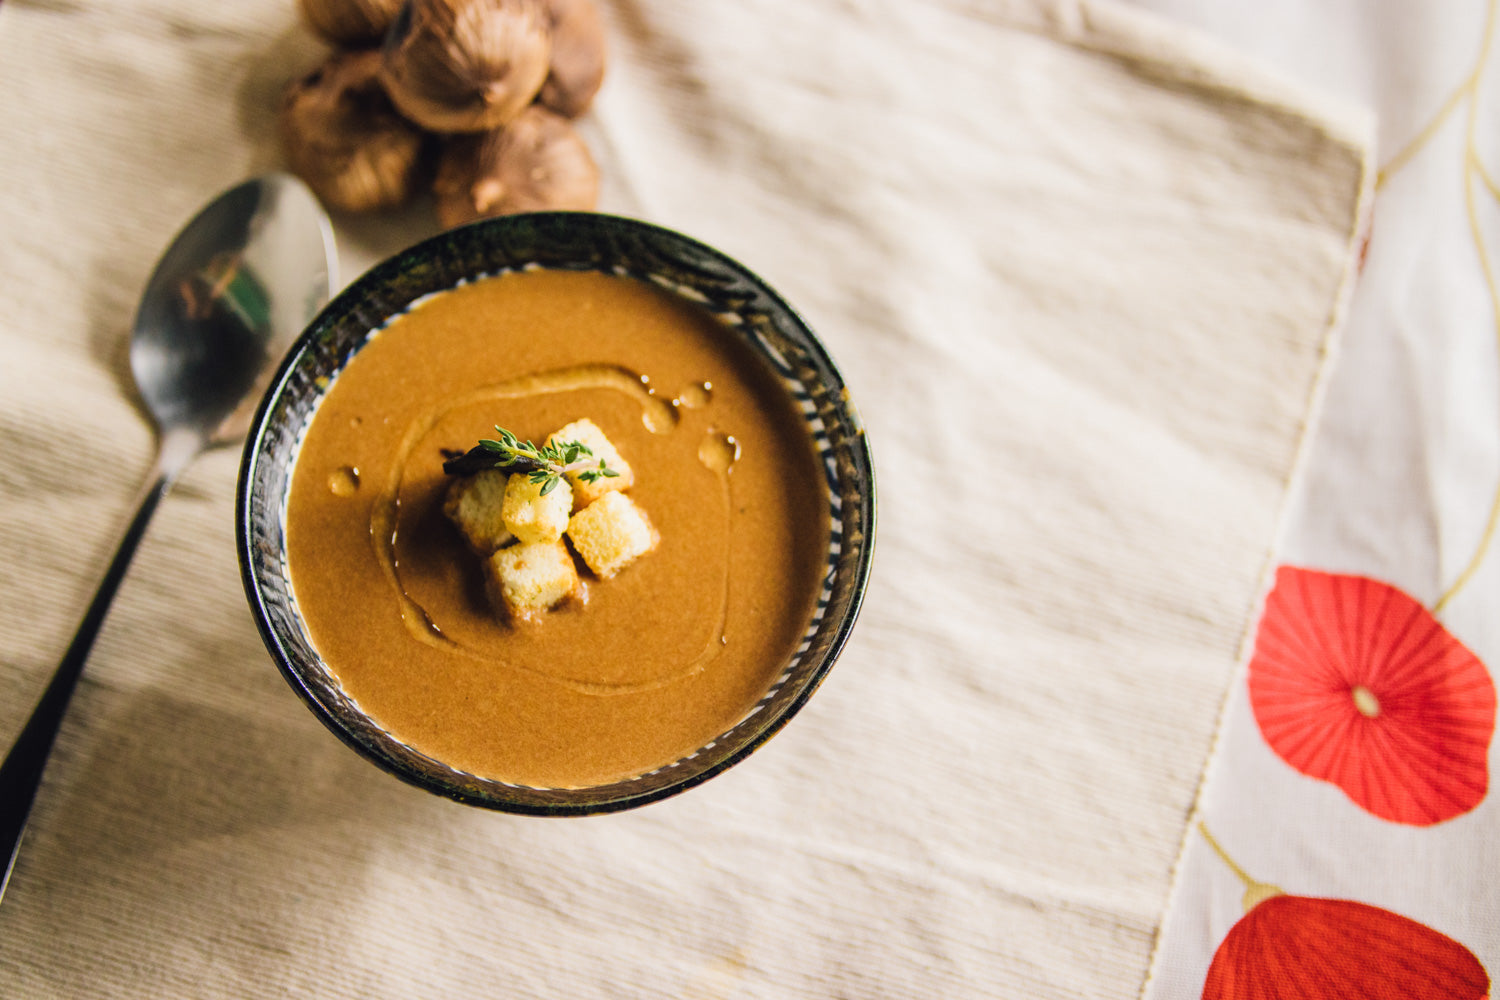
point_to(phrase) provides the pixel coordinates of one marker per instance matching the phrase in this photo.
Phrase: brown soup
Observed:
(660, 659)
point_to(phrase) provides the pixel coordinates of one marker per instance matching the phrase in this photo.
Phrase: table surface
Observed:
(1206, 294)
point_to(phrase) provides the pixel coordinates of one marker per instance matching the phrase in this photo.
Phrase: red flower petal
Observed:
(1300, 948)
(1355, 683)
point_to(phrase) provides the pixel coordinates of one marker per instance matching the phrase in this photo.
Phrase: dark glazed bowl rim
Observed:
(572, 241)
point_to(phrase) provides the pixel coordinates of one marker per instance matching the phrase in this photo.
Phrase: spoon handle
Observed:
(21, 772)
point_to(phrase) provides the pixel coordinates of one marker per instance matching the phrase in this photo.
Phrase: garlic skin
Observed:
(537, 162)
(344, 138)
(350, 22)
(578, 57)
(467, 65)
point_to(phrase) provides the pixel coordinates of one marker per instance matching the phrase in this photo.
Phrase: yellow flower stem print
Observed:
(1255, 891)
(1466, 96)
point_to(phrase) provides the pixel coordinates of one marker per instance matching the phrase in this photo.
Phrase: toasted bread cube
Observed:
(476, 505)
(611, 533)
(588, 434)
(529, 578)
(532, 517)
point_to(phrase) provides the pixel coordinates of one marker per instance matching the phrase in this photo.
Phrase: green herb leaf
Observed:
(544, 466)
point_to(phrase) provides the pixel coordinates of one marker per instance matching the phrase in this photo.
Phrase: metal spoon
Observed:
(234, 288)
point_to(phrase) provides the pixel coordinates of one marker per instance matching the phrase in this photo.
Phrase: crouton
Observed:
(611, 533)
(588, 434)
(475, 505)
(529, 578)
(532, 517)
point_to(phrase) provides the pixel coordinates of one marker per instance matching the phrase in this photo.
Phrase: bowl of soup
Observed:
(746, 458)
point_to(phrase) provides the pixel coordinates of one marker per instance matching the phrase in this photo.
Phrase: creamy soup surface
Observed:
(655, 662)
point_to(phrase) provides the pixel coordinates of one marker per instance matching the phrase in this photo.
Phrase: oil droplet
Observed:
(1365, 701)
(659, 416)
(695, 396)
(718, 451)
(343, 481)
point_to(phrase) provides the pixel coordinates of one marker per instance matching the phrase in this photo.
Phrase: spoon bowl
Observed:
(228, 296)
(226, 299)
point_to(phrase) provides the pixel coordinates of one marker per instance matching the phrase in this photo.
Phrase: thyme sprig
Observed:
(545, 465)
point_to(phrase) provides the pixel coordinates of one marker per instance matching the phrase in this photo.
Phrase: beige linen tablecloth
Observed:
(1081, 272)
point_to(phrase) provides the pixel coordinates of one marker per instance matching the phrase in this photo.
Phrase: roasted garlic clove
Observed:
(344, 138)
(351, 22)
(537, 162)
(578, 57)
(467, 65)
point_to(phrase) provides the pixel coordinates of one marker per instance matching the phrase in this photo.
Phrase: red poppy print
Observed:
(1301, 948)
(1355, 683)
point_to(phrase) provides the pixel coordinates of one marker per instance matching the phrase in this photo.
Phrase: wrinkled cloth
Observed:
(1082, 270)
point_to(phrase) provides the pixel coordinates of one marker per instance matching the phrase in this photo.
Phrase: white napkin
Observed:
(1399, 487)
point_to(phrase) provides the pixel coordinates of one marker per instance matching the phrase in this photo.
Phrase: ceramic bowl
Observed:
(573, 241)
